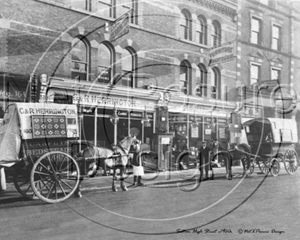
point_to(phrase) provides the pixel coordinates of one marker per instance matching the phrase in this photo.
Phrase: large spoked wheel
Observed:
(263, 167)
(55, 177)
(290, 161)
(275, 167)
(22, 182)
(251, 168)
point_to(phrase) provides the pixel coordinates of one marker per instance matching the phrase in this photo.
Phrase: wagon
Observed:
(266, 142)
(273, 140)
(36, 140)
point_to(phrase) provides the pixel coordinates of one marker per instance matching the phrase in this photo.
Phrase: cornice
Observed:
(217, 7)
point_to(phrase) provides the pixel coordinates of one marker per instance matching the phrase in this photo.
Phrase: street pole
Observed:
(2, 180)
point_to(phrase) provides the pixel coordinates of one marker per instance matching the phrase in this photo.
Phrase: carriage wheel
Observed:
(251, 168)
(275, 167)
(55, 177)
(263, 167)
(290, 161)
(22, 182)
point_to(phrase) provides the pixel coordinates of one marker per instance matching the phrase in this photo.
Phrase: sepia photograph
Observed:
(149, 119)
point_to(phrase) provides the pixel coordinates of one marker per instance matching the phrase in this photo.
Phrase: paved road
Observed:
(259, 207)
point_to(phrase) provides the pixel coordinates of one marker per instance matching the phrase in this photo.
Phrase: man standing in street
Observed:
(204, 158)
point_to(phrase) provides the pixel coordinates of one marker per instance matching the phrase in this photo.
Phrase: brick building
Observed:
(181, 61)
(268, 56)
(179, 57)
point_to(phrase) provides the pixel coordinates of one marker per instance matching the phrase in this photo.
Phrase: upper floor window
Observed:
(81, 4)
(104, 60)
(185, 75)
(216, 33)
(270, 3)
(201, 76)
(255, 30)
(185, 25)
(79, 59)
(128, 67)
(123, 6)
(216, 83)
(276, 37)
(201, 30)
(275, 74)
(107, 8)
(254, 74)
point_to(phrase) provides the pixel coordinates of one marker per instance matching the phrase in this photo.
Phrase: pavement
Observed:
(150, 179)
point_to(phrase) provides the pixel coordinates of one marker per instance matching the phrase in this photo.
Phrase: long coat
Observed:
(138, 169)
(204, 157)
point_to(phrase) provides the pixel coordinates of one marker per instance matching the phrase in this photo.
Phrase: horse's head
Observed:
(129, 141)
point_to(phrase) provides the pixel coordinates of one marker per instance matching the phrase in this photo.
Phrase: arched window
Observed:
(216, 33)
(201, 30)
(185, 25)
(128, 67)
(79, 59)
(201, 76)
(185, 76)
(105, 61)
(216, 83)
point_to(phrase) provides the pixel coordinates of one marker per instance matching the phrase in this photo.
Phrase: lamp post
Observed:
(194, 123)
(145, 119)
(114, 118)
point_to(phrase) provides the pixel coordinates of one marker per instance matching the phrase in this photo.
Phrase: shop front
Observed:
(97, 109)
(189, 135)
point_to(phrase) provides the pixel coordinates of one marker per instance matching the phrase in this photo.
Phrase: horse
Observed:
(114, 158)
(232, 152)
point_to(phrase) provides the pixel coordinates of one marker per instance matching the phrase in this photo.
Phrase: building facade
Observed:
(179, 64)
(268, 58)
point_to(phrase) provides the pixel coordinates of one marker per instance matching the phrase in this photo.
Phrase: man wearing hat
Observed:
(204, 158)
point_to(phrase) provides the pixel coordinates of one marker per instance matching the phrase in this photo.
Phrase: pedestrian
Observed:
(205, 162)
(138, 169)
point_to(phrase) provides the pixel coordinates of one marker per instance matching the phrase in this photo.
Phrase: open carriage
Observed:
(37, 140)
(273, 140)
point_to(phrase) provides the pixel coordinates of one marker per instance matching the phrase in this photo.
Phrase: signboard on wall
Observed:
(223, 53)
(195, 132)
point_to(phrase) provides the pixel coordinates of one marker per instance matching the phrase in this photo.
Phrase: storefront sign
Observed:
(222, 120)
(198, 118)
(165, 140)
(104, 75)
(122, 113)
(136, 115)
(208, 119)
(88, 110)
(270, 84)
(177, 118)
(49, 111)
(222, 54)
(195, 132)
(120, 27)
(222, 133)
(104, 100)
